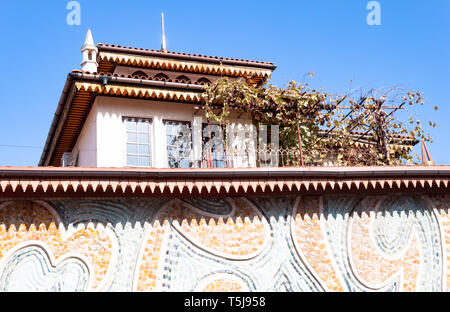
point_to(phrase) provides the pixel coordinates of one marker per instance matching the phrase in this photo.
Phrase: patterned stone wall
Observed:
(289, 243)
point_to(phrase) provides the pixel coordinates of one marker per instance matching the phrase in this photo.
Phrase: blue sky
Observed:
(330, 38)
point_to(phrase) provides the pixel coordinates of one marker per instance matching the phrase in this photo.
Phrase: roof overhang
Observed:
(183, 66)
(80, 92)
(120, 182)
(180, 57)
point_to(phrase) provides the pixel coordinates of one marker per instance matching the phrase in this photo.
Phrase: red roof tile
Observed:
(216, 59)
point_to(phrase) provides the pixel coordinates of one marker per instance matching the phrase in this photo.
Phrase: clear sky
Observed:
(328, 37)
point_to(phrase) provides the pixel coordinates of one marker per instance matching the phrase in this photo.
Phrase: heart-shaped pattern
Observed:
(383, 246)
(31, 268)
(25, 221)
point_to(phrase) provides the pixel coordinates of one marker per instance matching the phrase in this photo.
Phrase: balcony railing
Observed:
(287, 157)
(260, 158)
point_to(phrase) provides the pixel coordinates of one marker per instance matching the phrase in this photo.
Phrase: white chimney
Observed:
(89, 51)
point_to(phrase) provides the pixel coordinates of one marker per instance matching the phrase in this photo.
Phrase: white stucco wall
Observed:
(102, 142)
(86, 146)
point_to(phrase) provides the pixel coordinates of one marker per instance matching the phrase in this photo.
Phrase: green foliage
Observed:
(328, 126)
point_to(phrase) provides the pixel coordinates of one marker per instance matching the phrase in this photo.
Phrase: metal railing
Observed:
(287, 157)
(261, 157)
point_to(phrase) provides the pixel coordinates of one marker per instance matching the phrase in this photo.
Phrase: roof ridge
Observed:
(134, 49)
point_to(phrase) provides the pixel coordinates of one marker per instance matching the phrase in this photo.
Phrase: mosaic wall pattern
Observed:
(289, 243)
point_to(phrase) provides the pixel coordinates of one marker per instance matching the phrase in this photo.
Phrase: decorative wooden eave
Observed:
(166, 60)
(129, 182)
(182, 66)
(141, 92)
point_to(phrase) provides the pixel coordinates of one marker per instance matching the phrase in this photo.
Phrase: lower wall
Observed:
(312, 243)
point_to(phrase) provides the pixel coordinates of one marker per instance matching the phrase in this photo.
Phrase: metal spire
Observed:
(163, 44)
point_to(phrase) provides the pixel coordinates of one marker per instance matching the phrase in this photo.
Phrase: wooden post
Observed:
(428, 153)
(423, 153)
(426, 157)
(299, 140)
(210, 161)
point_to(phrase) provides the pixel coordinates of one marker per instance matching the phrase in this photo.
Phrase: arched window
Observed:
(183, 79)
(203, 81)
(161, 76)
(140, 73)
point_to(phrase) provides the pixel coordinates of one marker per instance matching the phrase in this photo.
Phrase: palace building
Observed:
(128, 197)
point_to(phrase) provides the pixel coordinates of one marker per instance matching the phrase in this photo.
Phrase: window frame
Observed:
(150, 123)
(184, 122)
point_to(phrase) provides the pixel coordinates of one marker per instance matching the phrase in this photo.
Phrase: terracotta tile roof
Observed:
(398, 136)
(402, 142)
(108, 60)
(184, 56)
(52, 181)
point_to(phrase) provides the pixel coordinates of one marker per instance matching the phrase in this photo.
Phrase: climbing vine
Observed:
(349, 129)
